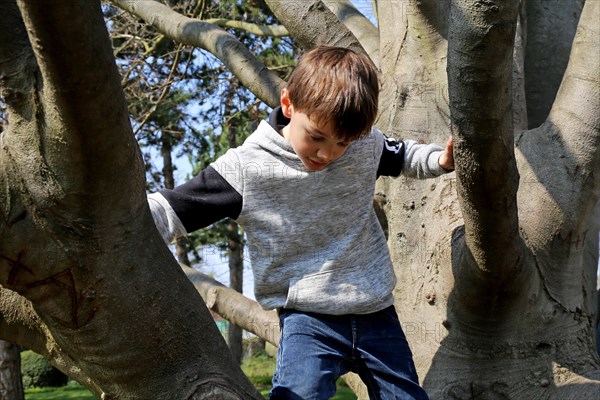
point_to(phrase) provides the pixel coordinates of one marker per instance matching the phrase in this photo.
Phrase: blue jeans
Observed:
(315, 350)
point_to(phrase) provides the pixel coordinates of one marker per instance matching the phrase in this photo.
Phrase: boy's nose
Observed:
(326, 153)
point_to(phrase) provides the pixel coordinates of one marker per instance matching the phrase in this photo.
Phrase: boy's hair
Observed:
(338, 85)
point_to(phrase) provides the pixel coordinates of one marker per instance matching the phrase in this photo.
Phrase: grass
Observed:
(73, 391)
(259, 370)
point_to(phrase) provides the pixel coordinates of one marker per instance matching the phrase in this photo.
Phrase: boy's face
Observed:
(313, 141)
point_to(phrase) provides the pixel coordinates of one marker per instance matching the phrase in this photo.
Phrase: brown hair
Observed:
(338, 85)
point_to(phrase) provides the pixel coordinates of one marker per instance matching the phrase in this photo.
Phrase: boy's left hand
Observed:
(447, 158)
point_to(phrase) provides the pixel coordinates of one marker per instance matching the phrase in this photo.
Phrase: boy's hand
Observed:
(447, 158)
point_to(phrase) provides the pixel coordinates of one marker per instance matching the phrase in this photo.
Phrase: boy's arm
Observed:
(203, 200)
(415, 160)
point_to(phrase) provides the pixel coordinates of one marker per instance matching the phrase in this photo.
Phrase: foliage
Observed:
(37, 372)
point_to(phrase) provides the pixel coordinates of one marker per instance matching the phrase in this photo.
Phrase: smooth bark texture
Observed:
(258, 30)
(365, 32)
(481, 41)
(311, 23)
(551, 26)
(233, 306)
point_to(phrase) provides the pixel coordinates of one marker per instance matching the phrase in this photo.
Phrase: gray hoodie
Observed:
(314, 240)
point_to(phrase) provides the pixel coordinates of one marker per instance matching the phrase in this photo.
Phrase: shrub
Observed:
(37, 372)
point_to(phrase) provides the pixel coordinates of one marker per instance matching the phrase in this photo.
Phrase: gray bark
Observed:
(68, 159)
(551, 26)
(236, 282)
(365, 32)
(311, 23)
(481, 42)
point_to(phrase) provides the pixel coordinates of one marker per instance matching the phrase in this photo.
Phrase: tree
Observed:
(11, 386)
(496, 263)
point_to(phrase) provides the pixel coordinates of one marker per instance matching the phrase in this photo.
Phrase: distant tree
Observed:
(11, 385)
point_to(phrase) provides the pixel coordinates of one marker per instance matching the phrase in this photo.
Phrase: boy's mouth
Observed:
(315, 165)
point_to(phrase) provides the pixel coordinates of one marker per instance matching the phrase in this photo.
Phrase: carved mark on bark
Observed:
(65, 280)
(11, 222)
(15, 267)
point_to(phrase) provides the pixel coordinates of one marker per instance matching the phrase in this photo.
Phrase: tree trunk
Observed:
(236, 282)
(235, 244)
(181, 243)
(465, 318)
(78, 240)
(551, 26)
(11, 386)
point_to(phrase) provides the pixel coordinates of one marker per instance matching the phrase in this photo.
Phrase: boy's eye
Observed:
(343, 144)
(316, 138)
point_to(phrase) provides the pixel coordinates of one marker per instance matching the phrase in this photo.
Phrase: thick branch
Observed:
(311, 23)
(255, 29)
(551, 26)
(253, 74)
(85, 139)
(19, 322)
(561, 158)
(235, 307)
(576, 111)
(17, 61)
(480, 54)
(365, 32)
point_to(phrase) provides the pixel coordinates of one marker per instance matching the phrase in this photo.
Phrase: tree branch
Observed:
(365, 32)
(559, 162)
(576, 111)
(17, 61)
(551, 26)
(87, 130)
(235, 307)
(253, 74)
(480, 54)
(255, 29)
(311, 23)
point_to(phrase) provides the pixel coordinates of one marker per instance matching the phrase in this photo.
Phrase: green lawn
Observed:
(259, 369)
(72, 391)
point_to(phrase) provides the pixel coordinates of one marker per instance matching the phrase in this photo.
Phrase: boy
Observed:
(302, 187)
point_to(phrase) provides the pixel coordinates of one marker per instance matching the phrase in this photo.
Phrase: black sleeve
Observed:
(203, 200)
(392, 158)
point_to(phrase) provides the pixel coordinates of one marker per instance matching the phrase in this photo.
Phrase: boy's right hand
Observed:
(447, 158)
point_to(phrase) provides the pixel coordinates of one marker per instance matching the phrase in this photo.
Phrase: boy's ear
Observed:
(286, 105)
